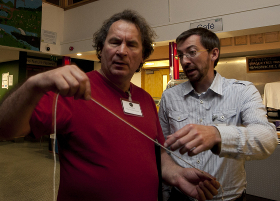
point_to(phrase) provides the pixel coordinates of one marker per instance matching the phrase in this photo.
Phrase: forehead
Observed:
(192, 41)
(124, 30)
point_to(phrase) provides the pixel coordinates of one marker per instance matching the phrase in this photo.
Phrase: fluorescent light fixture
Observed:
(161, 63)
(149, 64)
(79, 54)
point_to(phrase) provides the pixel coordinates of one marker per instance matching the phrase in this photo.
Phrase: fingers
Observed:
(200, 194)
(197, 184)
(206, 191)
(186, 140)
(68, 81)
(69, 85)
(215, 183)
(87, 94)
(194, 151)
(193, 139)
(203, 175)
(179, 138)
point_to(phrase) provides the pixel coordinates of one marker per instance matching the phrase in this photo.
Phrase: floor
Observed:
(255, 198)
(27, 169)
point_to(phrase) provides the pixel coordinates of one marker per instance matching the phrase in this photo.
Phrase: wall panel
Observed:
(83, 21)
(185, 10)
(52, 20)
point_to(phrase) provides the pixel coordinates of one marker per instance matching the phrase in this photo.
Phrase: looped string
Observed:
(54, 143)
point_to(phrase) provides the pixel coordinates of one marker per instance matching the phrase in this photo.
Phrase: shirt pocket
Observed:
(177, 120)
(224, 116)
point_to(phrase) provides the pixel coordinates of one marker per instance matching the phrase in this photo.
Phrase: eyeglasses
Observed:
(190, 54)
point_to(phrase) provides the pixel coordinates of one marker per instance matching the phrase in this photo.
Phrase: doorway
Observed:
(154, 81)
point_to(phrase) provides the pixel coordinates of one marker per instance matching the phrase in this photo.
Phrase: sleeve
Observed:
(164, 123)
(163, 117)
(256, 139)
(42, 119)
(160, 136)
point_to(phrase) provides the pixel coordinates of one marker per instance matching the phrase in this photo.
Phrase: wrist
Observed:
(31, 86)
(170, 174)
(216, 149)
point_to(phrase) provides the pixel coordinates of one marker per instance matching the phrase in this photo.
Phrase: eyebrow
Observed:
(133, 42)
(114, 39)
(192, 46)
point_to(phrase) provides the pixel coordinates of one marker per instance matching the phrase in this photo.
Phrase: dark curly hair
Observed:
(147, 34)
(208, 39)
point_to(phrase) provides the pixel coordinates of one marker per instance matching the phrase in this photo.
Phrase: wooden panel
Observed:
(226, 42)
(256, 39)
(160, 53)
(143, 78)
(240, 40)
(272, 37)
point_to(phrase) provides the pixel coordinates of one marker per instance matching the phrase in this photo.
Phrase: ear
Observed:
(214, 54)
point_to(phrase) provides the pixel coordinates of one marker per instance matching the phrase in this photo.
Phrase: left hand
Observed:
(196, 184)
(194, 138)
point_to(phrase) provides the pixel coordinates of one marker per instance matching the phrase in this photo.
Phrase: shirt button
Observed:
(201, 101)
(222, 117)
(200, 120)
(179, 118)
(198, 161)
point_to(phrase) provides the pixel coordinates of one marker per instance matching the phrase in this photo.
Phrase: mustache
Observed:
(188, 68)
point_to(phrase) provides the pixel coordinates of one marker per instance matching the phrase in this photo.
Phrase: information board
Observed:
(263, 63)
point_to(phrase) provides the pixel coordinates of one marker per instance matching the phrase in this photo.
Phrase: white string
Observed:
(130, 126)
(53, 149)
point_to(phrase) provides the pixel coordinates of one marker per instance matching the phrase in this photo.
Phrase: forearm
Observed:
(253, 142)
(16, 110)
(169, 169)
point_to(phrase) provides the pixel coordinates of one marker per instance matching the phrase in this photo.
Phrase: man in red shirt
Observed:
(101, 158)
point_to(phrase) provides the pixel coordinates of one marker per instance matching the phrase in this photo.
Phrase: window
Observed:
(68, 4)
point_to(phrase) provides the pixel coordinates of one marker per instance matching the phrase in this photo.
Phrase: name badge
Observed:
(132, 108)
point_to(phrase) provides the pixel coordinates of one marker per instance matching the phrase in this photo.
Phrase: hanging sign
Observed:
(11, 80)
(41, 62)
(212, 25)
(5, 80)
(48, 37)
(266, 63)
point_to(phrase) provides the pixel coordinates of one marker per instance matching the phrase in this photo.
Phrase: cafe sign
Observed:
(212, 25)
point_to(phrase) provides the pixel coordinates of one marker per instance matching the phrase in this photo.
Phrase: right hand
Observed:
(68, 80)
(194, 139)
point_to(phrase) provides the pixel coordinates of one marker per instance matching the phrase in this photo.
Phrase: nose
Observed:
(122, 50)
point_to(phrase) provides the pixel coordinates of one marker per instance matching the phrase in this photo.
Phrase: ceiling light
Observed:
(79, 54)
(149, 64)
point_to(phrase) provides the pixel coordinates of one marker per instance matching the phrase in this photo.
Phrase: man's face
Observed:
(197, 67)
(122, 52)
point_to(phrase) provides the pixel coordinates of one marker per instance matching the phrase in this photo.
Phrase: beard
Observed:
(196, 74)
